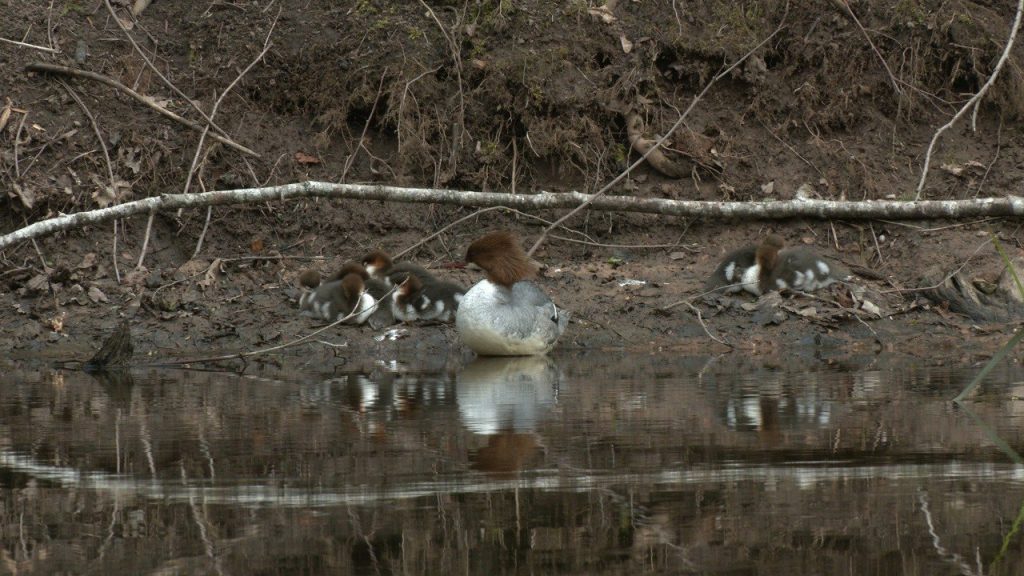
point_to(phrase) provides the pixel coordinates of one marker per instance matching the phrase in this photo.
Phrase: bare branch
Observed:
(57, 69)
(819, 209)
(974, 99)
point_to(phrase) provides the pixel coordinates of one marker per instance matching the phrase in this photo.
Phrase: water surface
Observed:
(579, 464)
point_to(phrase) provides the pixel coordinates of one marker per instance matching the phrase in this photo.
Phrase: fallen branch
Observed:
(819, 209)
(56, 69)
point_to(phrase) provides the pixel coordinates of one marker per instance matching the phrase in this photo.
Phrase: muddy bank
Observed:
(513, 98)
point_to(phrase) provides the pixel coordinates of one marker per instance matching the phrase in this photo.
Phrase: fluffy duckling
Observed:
(795, 268)
(380, 267)
(736, 272)
(506, 314)
(769, 266)
(436, 300)
(382, 315)
(336, 299)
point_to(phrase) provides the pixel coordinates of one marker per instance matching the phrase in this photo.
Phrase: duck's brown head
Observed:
(768, 256)
(377, 263)
(352, 286)
(408, 288)
(309, 278)
(353, 268)
(501, 257)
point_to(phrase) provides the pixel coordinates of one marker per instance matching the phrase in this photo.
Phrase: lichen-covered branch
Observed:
(822, 209)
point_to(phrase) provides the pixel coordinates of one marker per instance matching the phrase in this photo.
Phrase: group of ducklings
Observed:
(506, 314)
(771, 266)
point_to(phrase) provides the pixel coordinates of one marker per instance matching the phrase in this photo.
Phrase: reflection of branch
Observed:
(1016, 457)
(951, 557)
(988, 368)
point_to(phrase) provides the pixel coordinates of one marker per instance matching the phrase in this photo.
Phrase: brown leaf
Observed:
(211, 274)
(256, 246)
(5, 115)
(303, 158)
(627, 46)
(97, 295)
(88, 261)
(25, 194)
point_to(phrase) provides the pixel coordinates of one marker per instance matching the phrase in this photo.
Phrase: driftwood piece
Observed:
(1000, 302)
(821, 209)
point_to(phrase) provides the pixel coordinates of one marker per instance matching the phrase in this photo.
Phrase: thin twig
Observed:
(881, 260)
(202, 137)
(32, 46)
(974, 99)
(295, 342)
(999, 144)
(658, 144)
(892, 77)
(445, 229)
(945, 278)
(366, 126)
(705, 326)
(110, 169)
(57, 69)
(457, 59)
(17, 137)
(190, 101)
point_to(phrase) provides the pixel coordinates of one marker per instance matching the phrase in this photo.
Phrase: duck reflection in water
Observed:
(504, 399)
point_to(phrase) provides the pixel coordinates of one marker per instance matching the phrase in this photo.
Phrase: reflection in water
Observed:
(504, 400)
(606, 464)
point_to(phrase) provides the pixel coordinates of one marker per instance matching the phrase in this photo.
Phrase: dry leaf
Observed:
(24, 194)
(627, 46)
(809, 312)
(88, 261)
(97, 295)
(37, 283)
(871, 308)
(602, 12)
(5, 115)
(677, 255)
(953, 169)
(256, 245)
(56, 323)
(768, 189)
(303, 158)
(211, 274)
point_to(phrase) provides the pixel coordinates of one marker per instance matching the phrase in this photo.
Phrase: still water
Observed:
(579, 464)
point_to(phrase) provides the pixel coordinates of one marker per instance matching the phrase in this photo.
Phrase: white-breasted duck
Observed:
(506, 314)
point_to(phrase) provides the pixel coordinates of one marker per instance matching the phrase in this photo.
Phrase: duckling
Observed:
(337, 299)
(795, 268)
(736, 272)
(380, 267)
(382, 315)
(310, 279)
(375, 287)
(414, 299)
(506, 314)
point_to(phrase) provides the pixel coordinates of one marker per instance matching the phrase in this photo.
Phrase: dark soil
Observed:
(499, 96)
